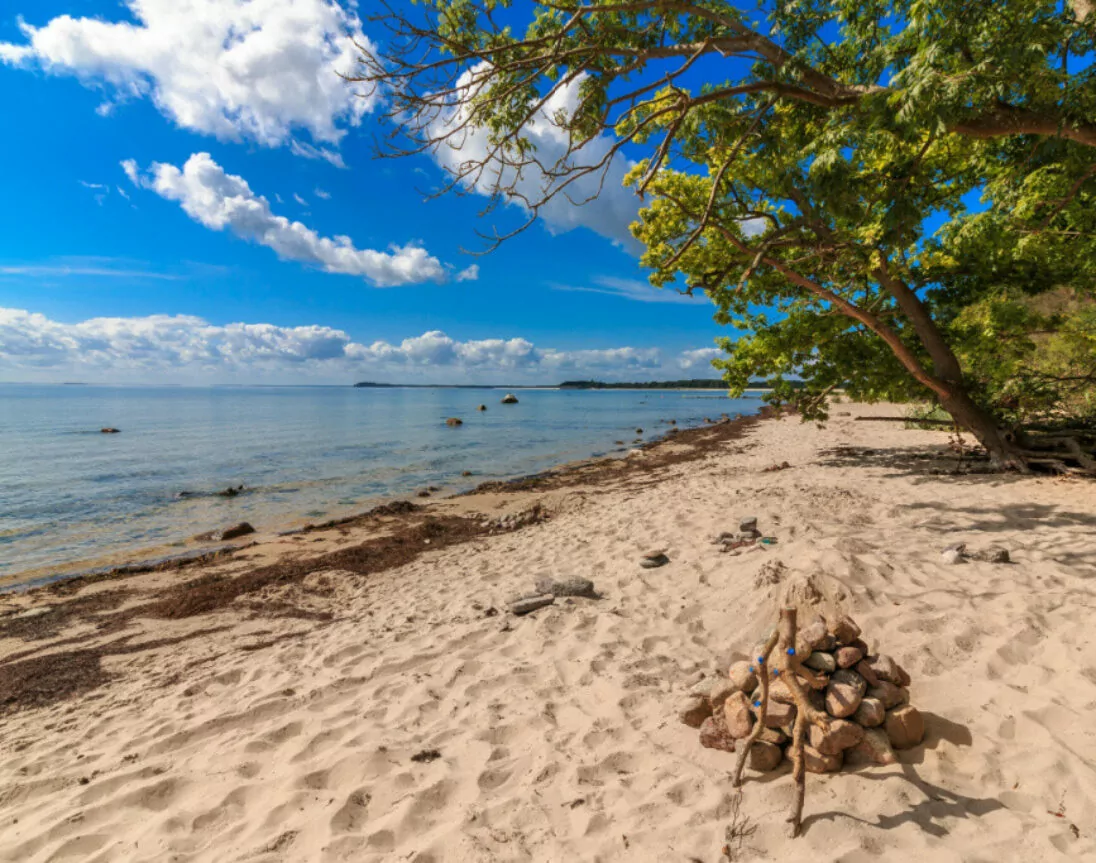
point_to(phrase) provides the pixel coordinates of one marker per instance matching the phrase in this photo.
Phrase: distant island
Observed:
(691, 384)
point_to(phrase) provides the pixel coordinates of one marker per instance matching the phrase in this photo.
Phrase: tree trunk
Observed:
(999, 443)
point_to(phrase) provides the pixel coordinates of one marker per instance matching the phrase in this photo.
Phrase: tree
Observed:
(812, 165)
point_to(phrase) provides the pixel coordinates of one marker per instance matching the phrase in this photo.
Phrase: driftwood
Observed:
(789, 666)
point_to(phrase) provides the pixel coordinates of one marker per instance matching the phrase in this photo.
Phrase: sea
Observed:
(73, 499)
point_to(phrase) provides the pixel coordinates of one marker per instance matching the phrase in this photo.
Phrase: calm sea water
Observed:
(71, 497)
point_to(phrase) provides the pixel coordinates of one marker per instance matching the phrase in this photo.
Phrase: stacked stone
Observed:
(867, 696)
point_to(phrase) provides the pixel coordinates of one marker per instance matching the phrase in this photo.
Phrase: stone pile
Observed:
(866, 694)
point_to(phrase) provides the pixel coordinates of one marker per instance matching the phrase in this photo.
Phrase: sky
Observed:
(192, 196)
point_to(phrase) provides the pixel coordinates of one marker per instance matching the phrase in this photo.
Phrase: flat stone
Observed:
(847, 657)
(713, 734)
(998, 555)
(573, 586)
(654, 559)
(824, 662)
(811, 636)
(864, 669)
(773, 735)
(844, 629)
(742, 677)
(765, 756)
(871, 712)
(905, 727)
(779, 691)
(693, 710)
(815, 762)
(748, 524)
(737, 716)
(531, 603)
(844, 694)
(887, 693)
(840, 736)
(874, 748)
(719, 692)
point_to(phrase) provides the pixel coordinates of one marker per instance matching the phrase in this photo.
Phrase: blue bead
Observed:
(776, 672)
(791, 651)
(757, 704)
(751, 669)
(761, 660)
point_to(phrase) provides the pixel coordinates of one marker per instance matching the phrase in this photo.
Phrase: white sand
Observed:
(557, 732)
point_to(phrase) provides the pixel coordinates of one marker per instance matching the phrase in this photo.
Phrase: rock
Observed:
(824, 662)
(531, 603)
(720, 691)
(482, 408)
(765, 756)
(998, 555)
(424, 493)
(841, 735)
(773, 735)
(694, 710)
(466, 473)
(231, 491)
(110, 430)
(777, 715)
(874, 748)
(237, 530)
(889, 694)
(905, 727)
(654, 559)
(844, 630)
(779, 691)
(573, 586)
(639, 431)
(903, 677)
(695, 678)
(954, 553)
(884, 668)
(509, 399)
(811, 636)
(737, 716)
(827, 644)
(847, 657)
(714, 734)
(844, 694)
(454, 421)
(742, 676)
(815, 762)
(871, 712)
(864, 669)
(748, 525)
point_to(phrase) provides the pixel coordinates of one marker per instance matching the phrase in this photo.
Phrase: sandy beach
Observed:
(362, 692)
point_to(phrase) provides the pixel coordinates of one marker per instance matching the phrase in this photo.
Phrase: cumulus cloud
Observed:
(607, 208)
(219, 200)
(184, 347)
(700, 357)
(468, 274)
(260, 70)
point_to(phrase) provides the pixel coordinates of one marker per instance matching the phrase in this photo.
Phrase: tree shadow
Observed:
(924, 463)
(940, 804)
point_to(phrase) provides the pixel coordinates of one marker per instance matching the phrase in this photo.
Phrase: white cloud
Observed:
(700, 357)
(183, 347)
(320, 193)
(468, 274)
(82, 267)
(221, 200)
(632, 289)
(611, 207)
(261, 70)
(300, 200)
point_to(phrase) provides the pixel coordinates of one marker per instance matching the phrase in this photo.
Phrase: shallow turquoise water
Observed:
(69, 494)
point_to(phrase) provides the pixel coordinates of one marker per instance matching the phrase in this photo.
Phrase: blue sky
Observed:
(237, 249)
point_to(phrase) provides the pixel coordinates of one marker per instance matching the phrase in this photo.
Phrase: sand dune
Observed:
(553, 737)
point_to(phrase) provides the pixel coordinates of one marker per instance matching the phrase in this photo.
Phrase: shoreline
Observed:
(195, 552)
(361, 691)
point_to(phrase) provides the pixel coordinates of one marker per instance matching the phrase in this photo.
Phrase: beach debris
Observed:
(231, 491)
(482, 408)
(775, 467)
(426, 756)
(237, 530)
(574, 586)
(466, 473)
(749, 525)
(453, 422)
(994, 554)
(509, 399)
(110, 430)
(799, 698)
(654, 559)
(531, 603)
(954, 553)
